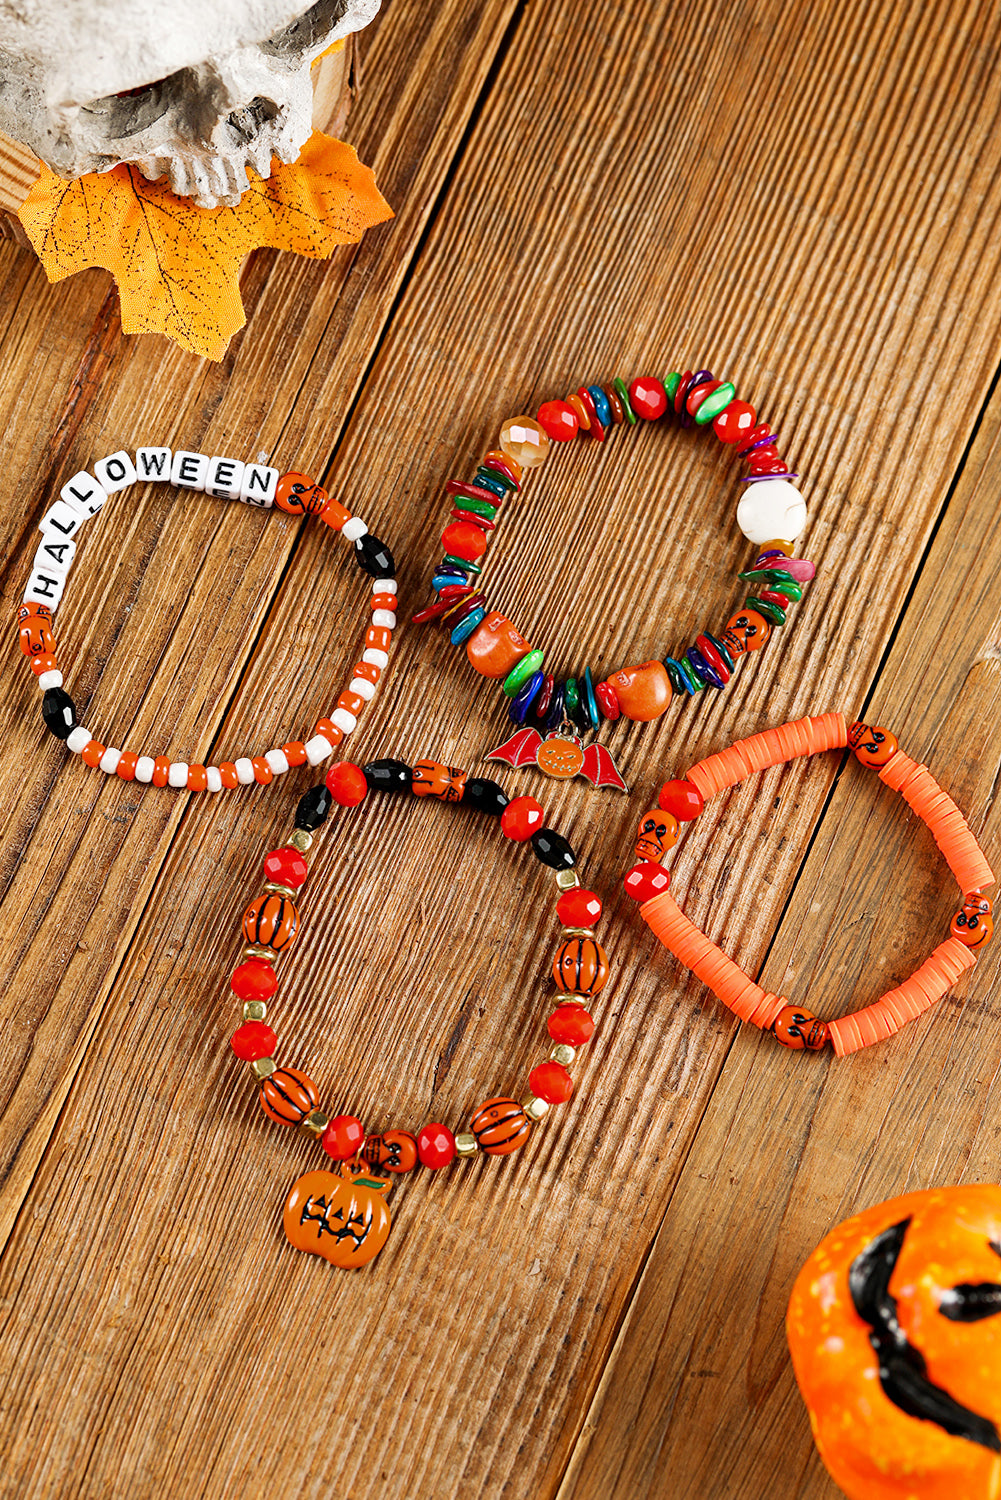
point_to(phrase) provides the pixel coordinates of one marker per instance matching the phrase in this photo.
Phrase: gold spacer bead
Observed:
(563, 1054)
(534, 1108)
(578, 932)
(568, 999)
(263, 1067)
(254, 1010)
(257, 950)
(280, 890)
(466, 1144)
(302, 840)
(316, 1122)
(567, 880)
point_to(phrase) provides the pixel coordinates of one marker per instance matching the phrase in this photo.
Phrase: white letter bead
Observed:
(55, 552)
(244, 771)
(61, 520)
(78, 739)
(258, 485)
(317, 749)
(153, 463)
(189, 470)
(115, 472)
(45, 586)
(362, 687)
(343, 719)
(375, 658)
(213, 780)
(353, 529)
(144, 768)
(771, 510)
(277, 760)
(178, 773)
(384, 619)
(50, 680)
(84, 494)
(109, 761)
(225, 478)
(384, 586)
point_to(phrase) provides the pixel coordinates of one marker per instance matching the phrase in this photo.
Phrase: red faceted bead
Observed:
(254, 980)
(646, 881)
(734, 422)
(286, 867)
(571, 1024)
(551, 1082)
(558, 420)
(578, 908)
(343, 1136)
(463, 540)
(253, 1040)
(648, 398)
(435, 1146)
(521, 818)
(608, 701)
(346, 783)
(682, 798)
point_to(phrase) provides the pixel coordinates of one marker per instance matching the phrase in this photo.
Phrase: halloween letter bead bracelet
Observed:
(341, 1214)
(771, 514)
(681, 801)
(255, 484)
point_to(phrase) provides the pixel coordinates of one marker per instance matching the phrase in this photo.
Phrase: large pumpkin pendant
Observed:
(340, 1215)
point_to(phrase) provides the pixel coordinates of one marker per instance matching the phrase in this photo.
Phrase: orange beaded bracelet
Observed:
(683, 800)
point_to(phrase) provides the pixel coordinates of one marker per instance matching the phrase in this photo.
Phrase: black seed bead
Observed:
(552, 849)
(374, 557)
(59, 712)
(313, 807)
(485, 796)
(388, 776)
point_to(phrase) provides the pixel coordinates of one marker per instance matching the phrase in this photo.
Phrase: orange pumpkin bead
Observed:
(432, 779)
(288, 1096)
(393, 1151)
(500, 1126)
(580, 966)
(495, 645)
(271, 921)
(643, 692)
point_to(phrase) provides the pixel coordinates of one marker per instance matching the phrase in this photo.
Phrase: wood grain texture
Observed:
(807, 199)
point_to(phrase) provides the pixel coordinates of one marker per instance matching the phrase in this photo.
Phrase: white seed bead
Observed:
(343, 719)
(109, 760)
(373, 657)
(116, 472)
(153, 463)
(277, 760)
(83, 493)
(317, 749)
(362, 687)
(771, 510)
(353, 529)
(212, 779)
(50, 680)
(244, 771)
(178, 773)
(144, 768)
(384, 586)
(78, 738)
(189, 470)
(385, 619)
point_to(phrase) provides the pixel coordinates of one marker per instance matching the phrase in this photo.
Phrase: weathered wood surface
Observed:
(804, 197)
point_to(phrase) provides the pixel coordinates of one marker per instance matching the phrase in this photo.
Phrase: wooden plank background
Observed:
(803, 197)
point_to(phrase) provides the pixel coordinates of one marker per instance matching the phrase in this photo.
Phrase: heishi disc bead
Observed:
(285, 866)
(435, 1146)
(254, 1039)
(342, 1137)
(648, 398)
(495, 646)
(558, 420)
(522, 817)
(647, 880)
(346, 784)
(581, 966)
(524, 439)
(500, 1126)
(552, 1082)
(578, 908)
(253, 980)
(288, 1096)
(571, 1025)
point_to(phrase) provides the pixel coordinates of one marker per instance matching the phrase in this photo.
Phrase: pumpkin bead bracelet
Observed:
(683, 800)
(254, 484)
(771, 514)
(342, 1215)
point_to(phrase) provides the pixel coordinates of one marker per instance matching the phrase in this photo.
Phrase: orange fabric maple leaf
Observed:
(177, 266)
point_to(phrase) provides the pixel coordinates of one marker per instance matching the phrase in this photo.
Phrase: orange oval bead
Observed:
(227, 775)
(46, 662)
(295, 753)
(161, 770)
(263, 773)
(197, 779)
(495, 645)
(643, 692)
(271, 921)
(367, 671)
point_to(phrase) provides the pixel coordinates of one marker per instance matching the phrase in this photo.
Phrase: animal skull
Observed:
(195, 90)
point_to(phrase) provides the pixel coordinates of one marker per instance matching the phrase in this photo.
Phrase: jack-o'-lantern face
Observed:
(300, 495)
(560, 758)
(894, 1327)
(974, 925)
(432, 779)
(873, 745)
(746, 631)
(340, 1215)
(656, 834)
(798, 1029)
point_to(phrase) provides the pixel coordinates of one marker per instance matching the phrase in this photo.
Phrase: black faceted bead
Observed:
(313, 807)
(374, 557)
(59, 712)
(485, 796)
(553, 850)
(388, 776)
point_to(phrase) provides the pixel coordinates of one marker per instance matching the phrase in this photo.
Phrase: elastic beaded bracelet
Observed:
(342, 1214)
(681, 801)
(255, 484)
(771, 514)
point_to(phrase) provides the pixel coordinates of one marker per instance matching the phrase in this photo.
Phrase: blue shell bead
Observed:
(590, 698)
(445, 576)
(557, 707)
(465, 627)
(602, 405)
(485, 480)
(520, 706)
(702, 669)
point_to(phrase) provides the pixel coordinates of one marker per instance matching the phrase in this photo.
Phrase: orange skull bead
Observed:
(643, 692)
(432, 779)
(974, 925)
(300, 495)
(342, 1215)
(874, 747)
(395, 1151)
(495, 645)
(796, 1029)
(746, 631)
(656, 834)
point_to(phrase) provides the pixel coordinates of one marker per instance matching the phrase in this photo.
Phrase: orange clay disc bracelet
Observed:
(254, 484)
(681, 801)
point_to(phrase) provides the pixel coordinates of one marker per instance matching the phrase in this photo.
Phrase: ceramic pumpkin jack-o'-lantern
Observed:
(974, 925)
(341, 1215)
(432, 779)
(894, 1327)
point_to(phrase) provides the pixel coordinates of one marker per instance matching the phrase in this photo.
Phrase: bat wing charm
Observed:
(561, 756)
(520, 750)
(600, 769)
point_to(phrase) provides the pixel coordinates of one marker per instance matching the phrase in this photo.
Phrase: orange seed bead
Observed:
(227, 775)
(92, 752)
(46, 662)
(263, 773)
(295, 753)
(384, 601)
(197, 779)
(378, 638)
(352, 702)
(161, 770)
(329, 731)
(126, 767)
(333, 514)
(367, 672)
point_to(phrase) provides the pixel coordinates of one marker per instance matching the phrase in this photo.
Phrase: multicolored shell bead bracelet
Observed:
(771, 514)
(341, 1214)
(255, 484)
(683, 800)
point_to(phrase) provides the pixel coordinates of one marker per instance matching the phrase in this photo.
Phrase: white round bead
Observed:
(362, 687)
(78, 738)
(373, 657)
(384, 619)
(343, 719)
(212, 779)
(771, 510)
(244, 771)
(353, 529)
(144, 768)
(109, 760)
(178, 773)
(50, 680)
(317, 749)
(277, 760)
(384, 586)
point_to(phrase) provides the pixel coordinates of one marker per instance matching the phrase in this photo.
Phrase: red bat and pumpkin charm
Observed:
(562, 755)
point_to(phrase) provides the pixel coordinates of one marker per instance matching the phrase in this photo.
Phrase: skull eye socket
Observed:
(136, 109)
(309, 31)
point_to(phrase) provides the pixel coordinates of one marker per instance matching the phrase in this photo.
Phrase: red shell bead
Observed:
(346, 783)
(646, 881)
(463, 540)
(571, 1024)
(343, 1136)
(608, 701)
(682, 798)
(254, 980)
(578, 908)
(435, 1146)
(558, 420)
(521, 818)
(551, 1082)
(648, 398)
(734, 422)
(252, 1040)
(286, 867)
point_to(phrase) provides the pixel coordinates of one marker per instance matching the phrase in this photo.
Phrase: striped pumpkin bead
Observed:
(500, 1126)
(288, 1096)
(271, 922)
(580, 966)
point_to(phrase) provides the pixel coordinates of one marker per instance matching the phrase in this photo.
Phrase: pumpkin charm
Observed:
(874, 747)
(560, 758)
(288, 1096)
(974, 925)
(580, 966)
(656, 834)
(432, 779)
(500, 1126)
(271, 921)
(894, 1327)
(342, 1216)
(395, 1151)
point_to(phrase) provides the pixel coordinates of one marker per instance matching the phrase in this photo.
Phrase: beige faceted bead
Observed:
(525, 441)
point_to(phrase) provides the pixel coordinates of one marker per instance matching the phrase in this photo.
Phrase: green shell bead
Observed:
(622, 391)
(478, 507)
(770, 611)
(714, 403)
(485, 472)
(671, 383)
(521, 672)
(678, 682)
(571, 695)
(463, 563)
(782, 583)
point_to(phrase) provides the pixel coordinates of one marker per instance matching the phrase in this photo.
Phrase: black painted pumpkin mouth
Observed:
(903, 1373)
